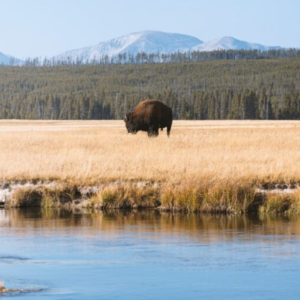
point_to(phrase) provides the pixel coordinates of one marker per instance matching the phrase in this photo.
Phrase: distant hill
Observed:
(230, 43)
(157, 42)
(161, 44)
(145, 41)
(8, 60)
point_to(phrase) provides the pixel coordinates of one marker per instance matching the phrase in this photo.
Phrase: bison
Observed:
(149, 115)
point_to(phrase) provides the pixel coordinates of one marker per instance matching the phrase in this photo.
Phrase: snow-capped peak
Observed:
(149, 42)
(230, 43)
(144, 41)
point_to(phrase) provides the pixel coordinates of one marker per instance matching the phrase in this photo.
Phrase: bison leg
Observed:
(169, 130)
(152, 132)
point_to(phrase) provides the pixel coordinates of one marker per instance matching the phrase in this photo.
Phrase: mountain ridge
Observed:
(144, 41)
(230, 43)
(6, 59)
(151, 42)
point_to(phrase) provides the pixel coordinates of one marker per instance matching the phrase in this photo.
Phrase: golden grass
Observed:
(221, 151)
(208, 157)
(281, 203)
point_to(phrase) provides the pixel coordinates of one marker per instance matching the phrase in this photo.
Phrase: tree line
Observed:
(177, 57)
(218, 89)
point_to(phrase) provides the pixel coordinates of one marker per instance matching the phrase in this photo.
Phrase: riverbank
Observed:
(205, 166)
(267, 198)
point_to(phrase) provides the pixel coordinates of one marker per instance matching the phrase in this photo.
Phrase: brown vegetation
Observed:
(204, 166)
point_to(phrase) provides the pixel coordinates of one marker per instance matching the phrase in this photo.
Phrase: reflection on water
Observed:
(149, 255)
(112, 222)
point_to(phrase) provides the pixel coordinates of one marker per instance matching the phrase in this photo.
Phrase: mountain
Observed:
(145, 41)
(230, 43)
(156, 42)
(8, 60)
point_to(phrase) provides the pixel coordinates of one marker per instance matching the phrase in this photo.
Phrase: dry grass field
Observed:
(199, 155)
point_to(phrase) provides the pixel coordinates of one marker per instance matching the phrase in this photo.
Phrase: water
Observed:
(77, 255)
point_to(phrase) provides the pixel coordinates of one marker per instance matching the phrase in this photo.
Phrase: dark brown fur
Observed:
(149, 115)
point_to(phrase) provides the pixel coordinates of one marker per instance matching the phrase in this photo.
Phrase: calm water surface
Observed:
(147, 255)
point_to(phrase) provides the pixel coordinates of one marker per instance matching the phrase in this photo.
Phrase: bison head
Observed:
(130, 123)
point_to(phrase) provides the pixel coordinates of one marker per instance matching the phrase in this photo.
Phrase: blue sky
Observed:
(30, 28)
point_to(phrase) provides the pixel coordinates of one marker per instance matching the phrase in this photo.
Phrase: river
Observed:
(148, 255)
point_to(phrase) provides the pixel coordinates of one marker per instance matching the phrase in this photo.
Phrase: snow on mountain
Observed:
(145, 41)
(148, 42)
(8, 60)
(230, 43)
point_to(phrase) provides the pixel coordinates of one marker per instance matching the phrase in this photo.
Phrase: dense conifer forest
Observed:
(224, 88)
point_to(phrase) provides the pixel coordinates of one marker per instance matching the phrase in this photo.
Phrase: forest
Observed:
(224, 88)
(177, 57)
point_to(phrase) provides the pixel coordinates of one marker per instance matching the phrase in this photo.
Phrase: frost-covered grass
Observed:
(201, 160)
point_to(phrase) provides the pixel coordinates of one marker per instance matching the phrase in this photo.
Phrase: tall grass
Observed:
(203, 164)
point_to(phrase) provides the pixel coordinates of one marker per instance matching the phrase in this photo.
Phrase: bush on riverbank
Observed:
(183, 198)
(281, 203)
(216, 199)
(44, 196)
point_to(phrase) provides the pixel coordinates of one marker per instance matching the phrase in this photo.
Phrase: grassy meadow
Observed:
(204, 165)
